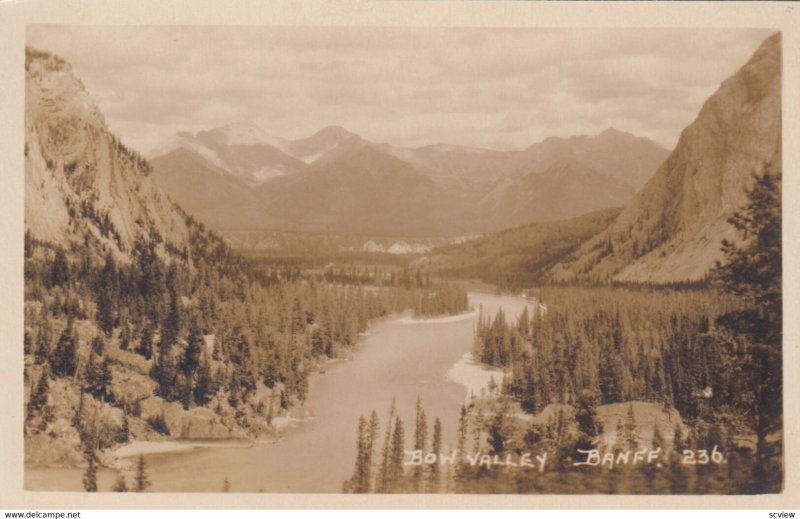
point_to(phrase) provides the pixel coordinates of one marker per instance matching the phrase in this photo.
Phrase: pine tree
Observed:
(124, 434)
(359, 481)
(145, 347)
(90, 374)
(90, 476)
(498, 432)
(629, 439)
(190, 361)
(752, 271)
(59, 271)
(437, 450)
(108, 296)
(171, 327)
(610, 376)
(121, 484)
(477, 427)
(77, 419)
(151, 280)
(125, 338)
(164, 372)
(420, 439)
(204, 385)
(586, 417)
(397, 453)
(382, 484)
(98, 346)
(524, 322)
(42, 353)
(98, 377)
(38, 398)
(461, 441)
(63, 360)
(372, 438)
(105, 379)
(141, 481)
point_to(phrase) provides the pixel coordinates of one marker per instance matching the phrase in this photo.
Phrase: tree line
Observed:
(206, 323)
(713, 352)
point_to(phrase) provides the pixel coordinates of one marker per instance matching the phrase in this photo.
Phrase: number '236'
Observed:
(702, 457)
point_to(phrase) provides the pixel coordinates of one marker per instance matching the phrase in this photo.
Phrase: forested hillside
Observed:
(520, 256)
(633, 349)
(142, 324)
(698, 371)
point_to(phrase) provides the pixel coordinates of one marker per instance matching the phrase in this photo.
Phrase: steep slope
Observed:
(219, 200)
(360, 189)
(312, 148)
(561, 178)
(113, 270)
(519, 256)
(673, 228)
(474, 173)
(551, 180)
(242, 151)
(564, 189)
(350, 186)
(621, 155)
(470, 190)
(83, 187)
(466, 172)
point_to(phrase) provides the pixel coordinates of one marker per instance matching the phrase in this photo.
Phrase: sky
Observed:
(490, 88)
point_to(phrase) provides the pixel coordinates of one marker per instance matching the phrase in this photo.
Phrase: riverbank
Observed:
(394, 360)
(435, 320)
(475, 377)
(138, 448)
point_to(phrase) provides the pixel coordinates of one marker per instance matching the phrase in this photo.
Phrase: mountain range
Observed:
(85, 188)
(673, 228)
(239, 177)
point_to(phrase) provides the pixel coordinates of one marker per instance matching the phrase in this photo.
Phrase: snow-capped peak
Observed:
(246, 133)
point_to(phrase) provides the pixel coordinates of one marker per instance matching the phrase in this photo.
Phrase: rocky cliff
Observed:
(673, 228)
(83, 186)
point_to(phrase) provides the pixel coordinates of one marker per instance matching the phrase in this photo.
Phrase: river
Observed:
(399, 358)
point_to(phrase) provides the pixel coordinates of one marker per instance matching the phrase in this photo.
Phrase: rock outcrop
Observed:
(672, 230)
(83, 186)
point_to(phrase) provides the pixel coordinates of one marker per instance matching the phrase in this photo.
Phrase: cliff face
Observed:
(82, 185)
(85, 191)
(673, 228)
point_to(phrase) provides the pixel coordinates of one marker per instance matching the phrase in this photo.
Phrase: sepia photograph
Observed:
(402, 260)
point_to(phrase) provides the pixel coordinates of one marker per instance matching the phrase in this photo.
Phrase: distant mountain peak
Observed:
(333, 132)
(673, 229)
(242, 133)
(443, 147)
(320, 143)
(335, 163)
(613, 132)
(609, 133)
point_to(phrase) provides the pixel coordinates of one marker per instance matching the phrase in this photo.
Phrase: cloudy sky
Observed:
(493, 88)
